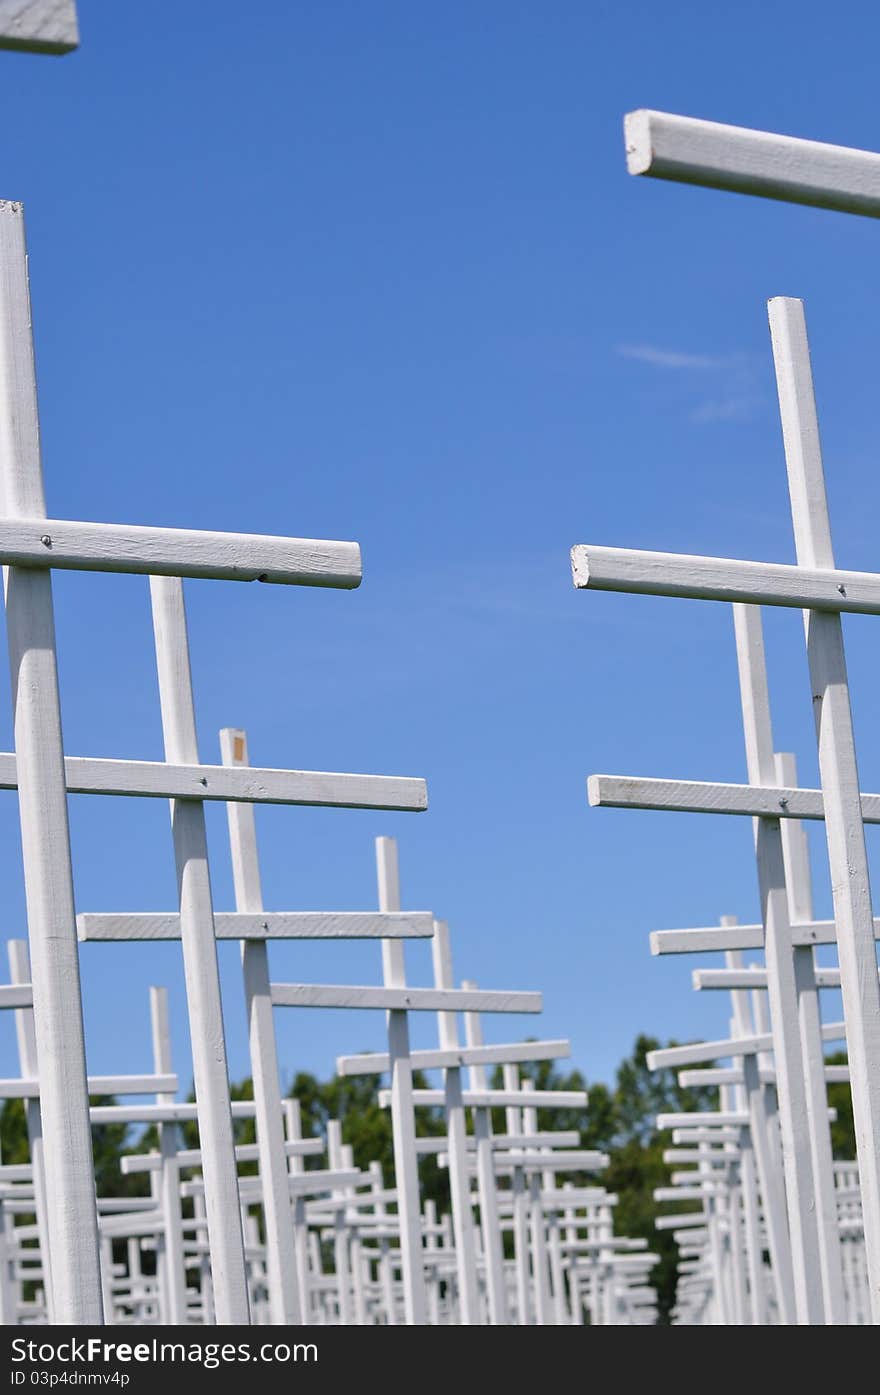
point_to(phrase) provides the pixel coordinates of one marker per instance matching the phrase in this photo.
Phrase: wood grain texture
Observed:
(260, 925)
(39, 26)
(183, 552)
(72, 1229)
(707, 797)
(724, 579)
(327, 995)
(191, 780)
(691, 151)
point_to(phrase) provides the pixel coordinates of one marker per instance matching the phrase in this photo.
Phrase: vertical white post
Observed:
(228, 1270)
(386, 1274)
(340, 1233)
(574, 1283)
(540, 1274)
(490, 1220)
(755, 1142)
(800, 896)
(296, 1164)
(457, 1141)
(209, 1316)
(20, 972)
(513, 1120)
(406, 1165)
(781, 985)
(838, 769)
(433, 1283)
(42, 797)
(280, 1257)
(173, 1294)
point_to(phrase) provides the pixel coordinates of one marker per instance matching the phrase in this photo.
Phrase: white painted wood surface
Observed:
(707, 797)
(171, 1261)
(691, 151)
(377, 1063)
(782, 988)
(185, 552)
(739, 937)
(60, 1047)
(188, 780)
(261, 925)
(26, 1037)
(228, 1269)
(284, 1300)
(837, 764)
(724, 579)
(401, 999)
(403, 1129)
(456, 1129)
(669, 1057)
(800, 895)
(39, 26)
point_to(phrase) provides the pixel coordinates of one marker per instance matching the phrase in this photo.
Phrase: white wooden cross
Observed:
(254, 927)
(824, 592)
(39, 26)
(452, 1058)
(30, 546)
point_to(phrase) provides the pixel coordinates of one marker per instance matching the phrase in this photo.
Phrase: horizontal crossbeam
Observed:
(233, 783)
(332, 995)
(122, 547)
(499, 1099)
(16, 995)
(703, 1119)
(710, 797)
(379, 1062)
(559, 1138)
(160, 1113)
(724, 579)
(263, 925)
(690, 151)
(754, 978)
(192, 1157)
(711, 938)
(17, 1088)
(670, 1056)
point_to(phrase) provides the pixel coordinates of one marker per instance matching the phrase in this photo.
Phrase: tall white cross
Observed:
(30, 546)
(823, 592)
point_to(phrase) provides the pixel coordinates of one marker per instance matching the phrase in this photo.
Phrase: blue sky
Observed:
(378, 272)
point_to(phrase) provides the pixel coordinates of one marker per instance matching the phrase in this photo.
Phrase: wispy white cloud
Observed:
(669, 358)
(734, 378)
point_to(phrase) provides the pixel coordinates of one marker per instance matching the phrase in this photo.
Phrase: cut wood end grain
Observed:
(637, 137)
(580, 567)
